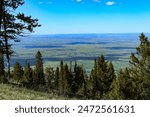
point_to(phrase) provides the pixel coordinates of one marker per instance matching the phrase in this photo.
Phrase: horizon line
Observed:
(91, 33)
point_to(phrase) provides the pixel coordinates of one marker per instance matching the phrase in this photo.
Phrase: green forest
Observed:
(71, 81)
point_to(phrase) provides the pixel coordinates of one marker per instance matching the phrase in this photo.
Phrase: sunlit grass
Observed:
(10, 92)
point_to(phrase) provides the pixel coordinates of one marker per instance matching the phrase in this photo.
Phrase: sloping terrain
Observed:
(10, 92)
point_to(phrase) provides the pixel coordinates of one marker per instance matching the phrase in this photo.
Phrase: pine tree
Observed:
(2, 71)
(115, 93)
(27, 76)
(17, 73)
(82, 92)
(12, 25)
(64, 80)
(78, 78)
(39, 70)
(50, 78)
(140, 70)
(1, 61)
(57, 79)
(101, 78)
(67, 80)
(61, 79)
(110, 76)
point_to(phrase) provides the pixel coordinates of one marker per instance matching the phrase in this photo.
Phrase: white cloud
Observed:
(78, 0)
(97, 0)
(40, 3)
(110, 3)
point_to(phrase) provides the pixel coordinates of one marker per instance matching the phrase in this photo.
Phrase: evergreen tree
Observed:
(115, 93)
(101, 78)
(39, 70)
(1, 61)
(27, 76)
(61, 79)
(57, 79)
(17, 73)
(127, 84)
(83, 90)
(123, 87)
(12, 25)
(134, 82)
(140, 70)
(50, 78)
(2, 71)
(66, 80)
(78, 78)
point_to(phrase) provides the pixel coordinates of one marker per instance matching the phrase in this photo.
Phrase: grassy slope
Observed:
(9, 92)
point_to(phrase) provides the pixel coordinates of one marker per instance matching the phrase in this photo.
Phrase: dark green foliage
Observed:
(27, 76)
(82, 92)
(2, 71)
(140, 70)
(1, 60)
(18, 73)
(50, 78)
(134, 82)
(13, 25)
(39, 70)
(78, 78)
(127, 84)
(123, 87)
(64, 79)
(61, 79)
(101, 78)
(115, 93)
(57, 76)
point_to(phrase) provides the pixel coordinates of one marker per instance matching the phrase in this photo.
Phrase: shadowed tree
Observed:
(17, 73)
(27, 76)
(1, 60)
(122, 87)
(2, 71)
(39, 70)
(82, 92)
(13, 25)
(61, 79)
(78, 79)
(101, 78)
(57, 79)
(50, 78)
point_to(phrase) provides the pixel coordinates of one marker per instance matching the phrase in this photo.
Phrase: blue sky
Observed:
(89, 16)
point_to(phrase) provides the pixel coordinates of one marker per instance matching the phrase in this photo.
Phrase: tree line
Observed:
(72, 81)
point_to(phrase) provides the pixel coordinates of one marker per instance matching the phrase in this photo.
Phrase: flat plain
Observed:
(83, 48)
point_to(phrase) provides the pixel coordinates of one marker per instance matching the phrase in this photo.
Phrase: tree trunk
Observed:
(1, 12)
(6, 49)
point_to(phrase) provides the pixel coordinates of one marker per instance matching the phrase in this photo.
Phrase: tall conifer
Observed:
(18, 72)
(39, 70)
(13, 25)
(101, 78)
(28, 75)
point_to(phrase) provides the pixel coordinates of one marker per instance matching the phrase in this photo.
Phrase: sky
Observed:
(89, 16)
